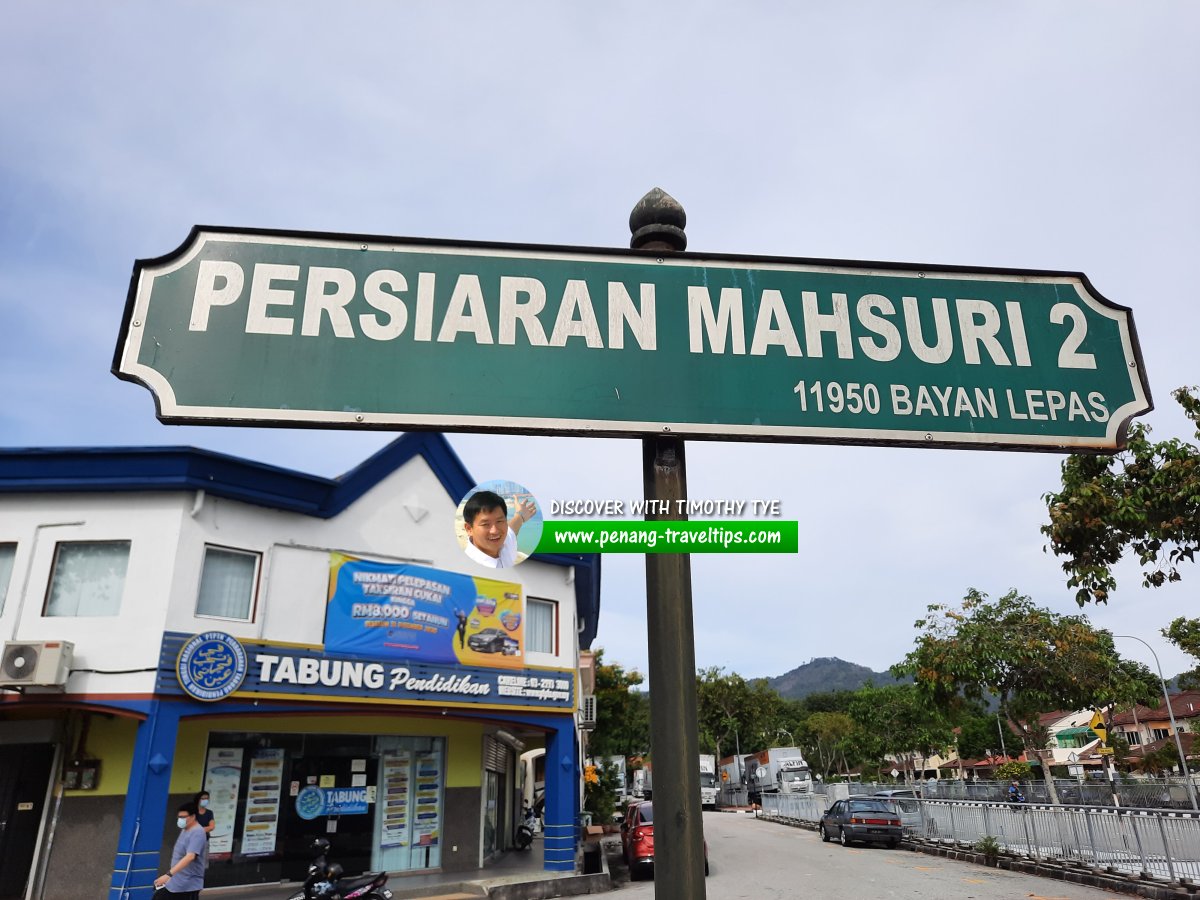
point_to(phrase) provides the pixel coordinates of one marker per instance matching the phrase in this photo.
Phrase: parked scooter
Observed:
(527, 829)
(324, 881)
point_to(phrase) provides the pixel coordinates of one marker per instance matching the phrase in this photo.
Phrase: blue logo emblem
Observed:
(310, 802)
(211, 666)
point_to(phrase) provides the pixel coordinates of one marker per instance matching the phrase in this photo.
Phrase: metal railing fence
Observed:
(1170, 793)
(1146, 843)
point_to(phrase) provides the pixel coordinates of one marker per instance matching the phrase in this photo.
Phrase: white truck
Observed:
(708, 781)
(778, 770)
(643, 787)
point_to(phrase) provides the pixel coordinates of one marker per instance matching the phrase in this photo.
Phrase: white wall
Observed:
(407, 517)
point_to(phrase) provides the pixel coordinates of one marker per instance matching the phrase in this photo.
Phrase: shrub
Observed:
(989, 847)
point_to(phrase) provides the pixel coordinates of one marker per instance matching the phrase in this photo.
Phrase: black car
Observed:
(490, 640)
(861, 819)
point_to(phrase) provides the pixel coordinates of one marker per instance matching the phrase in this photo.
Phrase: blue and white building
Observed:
(168, 627)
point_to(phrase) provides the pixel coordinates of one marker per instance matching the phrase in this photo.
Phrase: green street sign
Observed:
(287, 328)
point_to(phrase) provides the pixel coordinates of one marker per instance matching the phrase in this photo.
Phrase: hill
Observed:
(826, 673)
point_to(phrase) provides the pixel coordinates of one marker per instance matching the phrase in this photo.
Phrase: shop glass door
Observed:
(408, 808)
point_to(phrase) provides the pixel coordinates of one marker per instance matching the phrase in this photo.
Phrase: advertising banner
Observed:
(394, 832)
(400, 611)
(222, 779)
(261, 824)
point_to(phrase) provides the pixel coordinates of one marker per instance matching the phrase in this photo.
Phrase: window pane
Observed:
(227, 584)
(88, 579)
(539, 627)
(7, 552)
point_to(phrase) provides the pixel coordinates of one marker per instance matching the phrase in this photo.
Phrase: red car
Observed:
(637, 839)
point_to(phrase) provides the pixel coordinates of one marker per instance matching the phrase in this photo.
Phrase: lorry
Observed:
(708, 781)
(777, 770)
(643, 787)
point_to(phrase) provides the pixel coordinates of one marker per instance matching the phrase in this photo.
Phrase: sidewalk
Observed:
(517, 875)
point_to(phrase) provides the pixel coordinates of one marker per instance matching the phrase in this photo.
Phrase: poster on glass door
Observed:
(222, 779)
(394, 832)
(428, 815)
(261, 823)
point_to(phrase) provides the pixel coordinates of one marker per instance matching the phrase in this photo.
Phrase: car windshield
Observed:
(796, 776)
(647, 813)
(708, 779)
(869, 806)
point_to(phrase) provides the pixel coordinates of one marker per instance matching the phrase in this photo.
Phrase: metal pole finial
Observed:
(658, 219)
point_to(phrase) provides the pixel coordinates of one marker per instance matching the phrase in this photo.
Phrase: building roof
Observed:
(50, 470)
(1138, 713)
(1185, 705)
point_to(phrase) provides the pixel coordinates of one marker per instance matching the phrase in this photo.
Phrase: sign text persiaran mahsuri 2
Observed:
(334, 330)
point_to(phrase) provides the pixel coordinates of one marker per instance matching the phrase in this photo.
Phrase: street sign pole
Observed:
(657, 223)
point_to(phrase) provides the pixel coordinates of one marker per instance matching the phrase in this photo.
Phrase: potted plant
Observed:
(990, 848)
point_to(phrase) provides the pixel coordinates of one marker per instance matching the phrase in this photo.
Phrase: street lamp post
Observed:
(1187, 778)
(791, 740)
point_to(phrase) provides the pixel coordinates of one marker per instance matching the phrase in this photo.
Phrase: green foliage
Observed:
(622, 713)
(733, 711)
(1012, 770)
(1185, 634)
(1120, 748)
(831, 736)
(1162, 760)
(600, 786)
(1145, 498)
(1032, 660)
(989, 847)
(900, 720)
(979, 732)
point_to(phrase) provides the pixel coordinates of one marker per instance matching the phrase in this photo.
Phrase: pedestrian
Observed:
(185, 876)
(204, 816)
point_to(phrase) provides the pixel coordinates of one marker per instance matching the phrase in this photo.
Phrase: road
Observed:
(755, 859)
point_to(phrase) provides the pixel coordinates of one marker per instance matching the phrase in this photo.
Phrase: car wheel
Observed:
(842, 838)
(893, 844)
(824, 834)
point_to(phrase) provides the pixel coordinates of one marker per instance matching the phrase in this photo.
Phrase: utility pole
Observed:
(657, 224)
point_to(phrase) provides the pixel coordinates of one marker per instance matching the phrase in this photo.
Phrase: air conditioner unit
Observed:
(587, 711)
(36, 663)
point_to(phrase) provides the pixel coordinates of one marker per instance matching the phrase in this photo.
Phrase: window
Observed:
(88, 578)
(7, 553)
(540, 625)
(227, 584)
(1161, 734)
(1132, 738)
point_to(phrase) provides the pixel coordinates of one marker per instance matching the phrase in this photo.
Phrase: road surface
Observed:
(760, 860)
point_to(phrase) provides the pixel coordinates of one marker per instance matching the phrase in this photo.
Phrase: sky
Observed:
(1026, 135)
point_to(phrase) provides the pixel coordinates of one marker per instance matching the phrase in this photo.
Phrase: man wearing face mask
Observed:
(185, 877)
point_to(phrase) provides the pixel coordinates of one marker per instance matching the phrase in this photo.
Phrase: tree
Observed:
(900, 720)
(622, 713)
(733, 711)
(1011, 771)
(979, 733)
(1032, 660)
(828, 733)
(1145, 498)
(1185, 634)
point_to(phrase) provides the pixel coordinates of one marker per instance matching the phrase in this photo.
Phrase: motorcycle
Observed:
(324, 880)
(527, 829)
